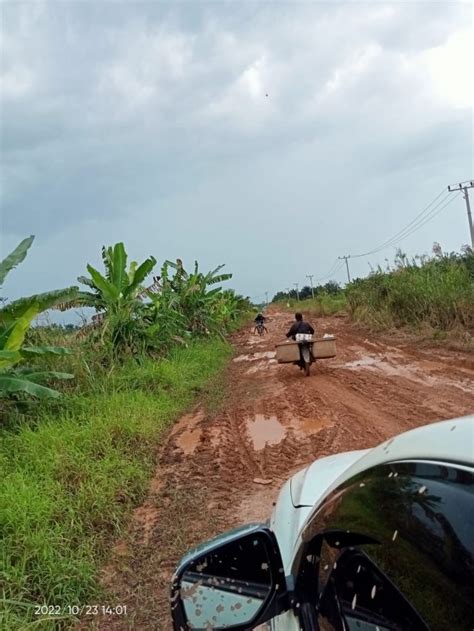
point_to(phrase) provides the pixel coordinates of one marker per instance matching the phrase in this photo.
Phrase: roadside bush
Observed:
(436, 291)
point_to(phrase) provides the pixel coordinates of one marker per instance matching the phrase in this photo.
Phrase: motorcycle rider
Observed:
(300, 326)
(260, 320)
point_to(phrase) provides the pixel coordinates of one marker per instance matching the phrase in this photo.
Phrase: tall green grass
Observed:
(70, 478)
(436, 292)
(319, 306)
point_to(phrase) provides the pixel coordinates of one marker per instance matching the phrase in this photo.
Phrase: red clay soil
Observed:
(216, 471)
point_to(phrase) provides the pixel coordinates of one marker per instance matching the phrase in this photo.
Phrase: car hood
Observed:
(308, 487)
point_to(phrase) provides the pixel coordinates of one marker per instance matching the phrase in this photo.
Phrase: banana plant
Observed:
(118, 288)
(116, 296)
(15, 320)
(189, 294)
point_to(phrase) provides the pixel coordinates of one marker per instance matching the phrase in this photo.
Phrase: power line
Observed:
(429, 212)
(335, 267)
(407, 227)
(425, 221)
(418, 222)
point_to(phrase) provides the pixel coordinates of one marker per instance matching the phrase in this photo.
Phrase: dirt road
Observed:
(219, 470)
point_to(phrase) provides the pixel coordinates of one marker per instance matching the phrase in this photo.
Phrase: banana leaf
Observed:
(15, 257)
(9, 358)
(12, 384)
(141, 273)
(17, 334)
(119, 266)
(107, 289)
(39, 376)
(45, 350)
(44, 301)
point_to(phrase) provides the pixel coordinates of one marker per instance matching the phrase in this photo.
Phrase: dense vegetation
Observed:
(426, 292)
(436, 291)
(329, 289)
(82, 410)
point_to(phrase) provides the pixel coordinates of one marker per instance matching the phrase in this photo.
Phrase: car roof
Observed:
(447, 441)
(451, 441)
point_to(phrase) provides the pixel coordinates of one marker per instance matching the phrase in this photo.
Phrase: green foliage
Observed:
(15, 321)
(116, 291)
(321, 306)
(68, 483)
(115, 295)
(331, 288)
(189, 304)
(14, 258)
(328, 300)
(437, 292)
(71, 472)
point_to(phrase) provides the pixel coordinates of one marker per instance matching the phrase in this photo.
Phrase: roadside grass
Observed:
(319, 306)
(70, 478)
(436, 294)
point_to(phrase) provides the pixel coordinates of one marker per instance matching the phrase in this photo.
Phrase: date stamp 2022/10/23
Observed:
(80, 610)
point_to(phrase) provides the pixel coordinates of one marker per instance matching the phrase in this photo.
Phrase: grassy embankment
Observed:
(71, 474)
(320, 306)
(432, 297)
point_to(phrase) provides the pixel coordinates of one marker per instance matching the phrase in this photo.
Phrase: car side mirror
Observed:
(235, 581)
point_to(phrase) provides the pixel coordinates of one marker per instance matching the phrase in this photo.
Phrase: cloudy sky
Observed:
(270, 136)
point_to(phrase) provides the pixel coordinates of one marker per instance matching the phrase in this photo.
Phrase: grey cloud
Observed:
(150, 123)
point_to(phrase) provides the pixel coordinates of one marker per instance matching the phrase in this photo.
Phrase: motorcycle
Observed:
(260, 328)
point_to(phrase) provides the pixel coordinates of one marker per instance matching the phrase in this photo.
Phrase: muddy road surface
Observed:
(218, 470)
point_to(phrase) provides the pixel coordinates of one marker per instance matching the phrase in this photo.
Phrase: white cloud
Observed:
(16, 83)
(450, 68)
(353, 69)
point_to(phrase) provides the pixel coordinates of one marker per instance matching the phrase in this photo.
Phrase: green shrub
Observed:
(438, 292)
(69, 482)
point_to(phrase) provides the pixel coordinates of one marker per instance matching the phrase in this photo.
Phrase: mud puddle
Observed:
(265, 431)
(389, 363)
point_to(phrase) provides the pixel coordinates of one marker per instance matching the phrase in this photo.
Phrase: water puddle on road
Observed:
(189, 440)
(271, 363)
(265, 430)
(389, 365)
(187, 432)
(308, 426)
(255, 356)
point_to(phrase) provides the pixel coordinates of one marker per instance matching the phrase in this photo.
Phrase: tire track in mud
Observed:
(216, 471)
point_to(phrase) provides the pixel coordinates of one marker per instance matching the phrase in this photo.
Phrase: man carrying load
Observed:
(301, 328)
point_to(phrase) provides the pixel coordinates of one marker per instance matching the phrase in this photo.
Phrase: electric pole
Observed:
(266, 296)
(310, 276)
(297, 291)
(464, 186)
(347, 266)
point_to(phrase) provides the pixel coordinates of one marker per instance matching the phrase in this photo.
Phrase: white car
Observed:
(364, 540)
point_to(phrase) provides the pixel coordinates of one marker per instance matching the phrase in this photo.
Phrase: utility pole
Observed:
(310, 276)
(464, 186)
(266, 296)
(297, 291)
(348, 256)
